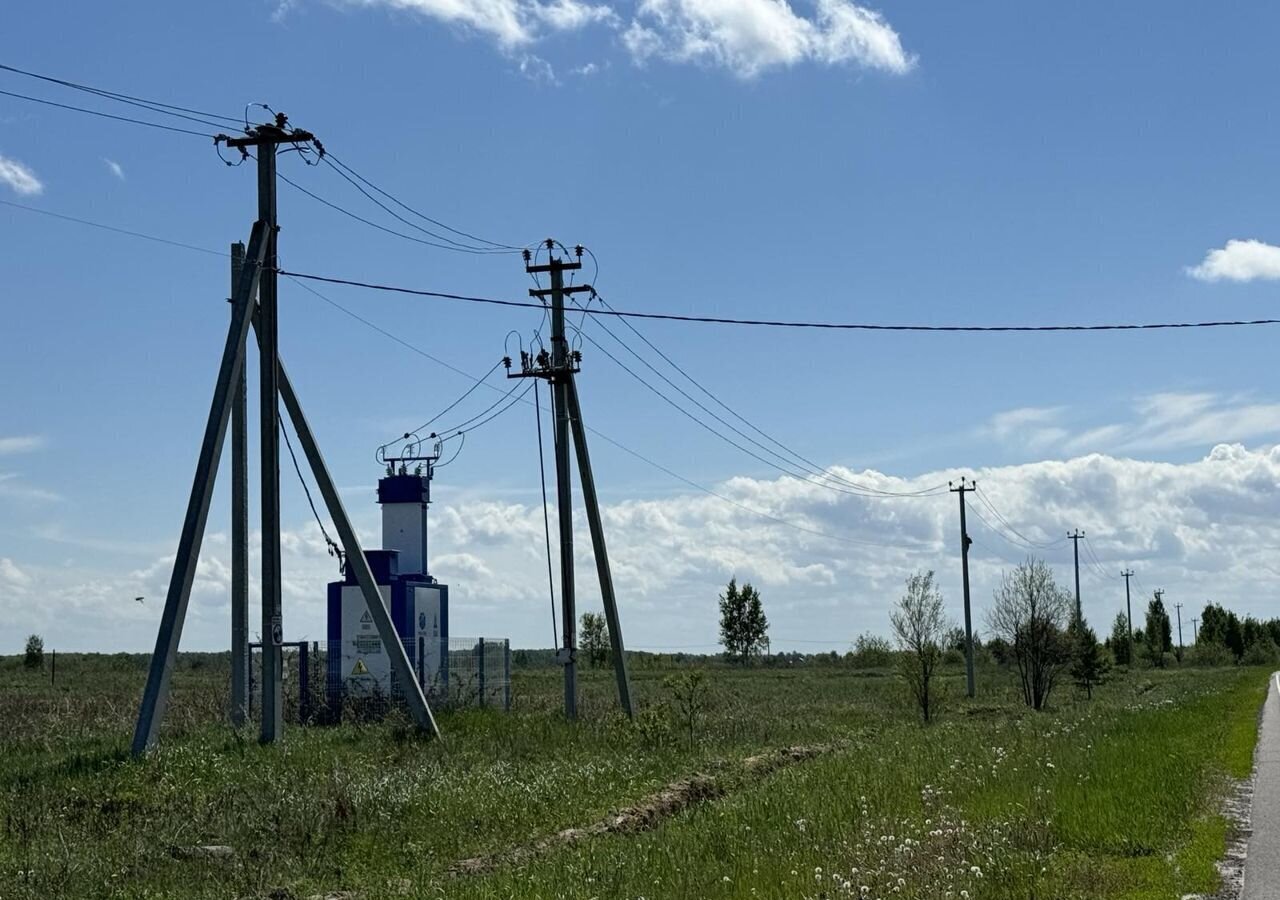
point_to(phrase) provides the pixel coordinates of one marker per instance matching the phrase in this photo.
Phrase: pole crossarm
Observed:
(155, 696)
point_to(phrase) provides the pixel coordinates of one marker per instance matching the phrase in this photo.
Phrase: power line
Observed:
(857, 489)
(448, 242)
(372, 224)
(94, 112)
(774, 323)
(814, 467)
(338, 165)
(995, 531)
(112, 228)
(442, 412)
(698, 421)
(153, 105)
(604, 437)
(334, 549)
(1000, 517)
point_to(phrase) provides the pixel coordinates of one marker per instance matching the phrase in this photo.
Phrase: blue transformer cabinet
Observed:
(359, 666)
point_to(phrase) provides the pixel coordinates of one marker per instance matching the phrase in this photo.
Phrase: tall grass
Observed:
(1108, 789)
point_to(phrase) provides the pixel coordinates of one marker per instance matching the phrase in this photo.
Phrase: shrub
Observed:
(1210, 656)
(1262, 652)
(871, 651)
(34, 657)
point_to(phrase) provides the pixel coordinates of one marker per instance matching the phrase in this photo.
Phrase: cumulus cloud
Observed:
(1249, 260)
(512, 23)
(750, 36)
(829, 565)
(746, 37)
(19, 178)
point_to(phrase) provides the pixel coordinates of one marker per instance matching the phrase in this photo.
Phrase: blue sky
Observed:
(948, 163)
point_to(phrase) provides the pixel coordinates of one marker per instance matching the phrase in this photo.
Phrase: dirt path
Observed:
(1262, 862)
(650, 812)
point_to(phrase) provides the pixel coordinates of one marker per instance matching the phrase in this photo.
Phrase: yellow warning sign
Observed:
(360, 668)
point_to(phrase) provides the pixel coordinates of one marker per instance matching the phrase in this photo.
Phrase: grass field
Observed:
(1116, 797)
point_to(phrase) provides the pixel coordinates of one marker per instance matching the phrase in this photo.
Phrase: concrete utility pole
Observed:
(965, 541)
(1195, 637)
(1075, 540)
(239, 528)
(558, 369)
(1178, 607)
(269, 441)
(1128, 607)
(1159, 595)
(257, 271)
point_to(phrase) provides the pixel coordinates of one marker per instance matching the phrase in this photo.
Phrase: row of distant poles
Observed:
(966, 485)
(254, 306)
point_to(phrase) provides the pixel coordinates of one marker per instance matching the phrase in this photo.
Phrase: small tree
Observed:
(1119, 641)
(689, 690)
(1088, 666)
(34, 657)
(595, 638)
(920, 628)
(744, 629)
(1158, 633)
(1030, 614)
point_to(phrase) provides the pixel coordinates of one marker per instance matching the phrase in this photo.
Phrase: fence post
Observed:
(480, 667)
(304, 684)
(506, 671)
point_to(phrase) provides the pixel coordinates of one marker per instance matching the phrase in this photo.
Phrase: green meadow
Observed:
(807, 781)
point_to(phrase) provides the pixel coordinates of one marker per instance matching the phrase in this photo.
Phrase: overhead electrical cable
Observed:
(469, 391)
(779, 323)
(154, 105)
(104, 115)
(372, 224)
(448, 242)
(1000, 517)
(812, 466)
(617, 444)
(340, 165)
(112, 228)
(334, 549)
(804, 474)
(998, 533)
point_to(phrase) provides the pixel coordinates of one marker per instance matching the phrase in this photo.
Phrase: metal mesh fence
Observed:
(327, 682)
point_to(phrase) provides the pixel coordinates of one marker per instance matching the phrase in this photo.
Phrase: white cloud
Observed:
(13, 488)
(512, 23)
(750, 36)
(535, 68)
(12, 577)
(1206, 529)
(114, 168)
(1162, 421)
(22, 443)
(1249, 260)
(20, 178)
